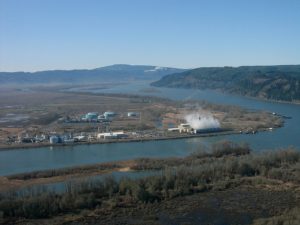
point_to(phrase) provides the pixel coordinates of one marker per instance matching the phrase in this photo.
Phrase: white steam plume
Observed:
(202, 120)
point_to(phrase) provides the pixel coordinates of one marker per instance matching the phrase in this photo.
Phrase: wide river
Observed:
(25, 160)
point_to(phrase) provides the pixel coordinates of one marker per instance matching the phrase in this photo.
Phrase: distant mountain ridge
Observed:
(117, 72)
(267, 82)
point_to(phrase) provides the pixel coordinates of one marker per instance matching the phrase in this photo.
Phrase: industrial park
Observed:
(104, 133)
(119, 118)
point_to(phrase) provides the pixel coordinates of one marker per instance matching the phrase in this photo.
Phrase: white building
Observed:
(185, 128)
(133, 114)
(109, 115)
(111, 135)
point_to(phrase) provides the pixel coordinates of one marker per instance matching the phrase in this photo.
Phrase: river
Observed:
(20, 160)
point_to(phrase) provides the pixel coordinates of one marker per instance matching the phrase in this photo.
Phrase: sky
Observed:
(84, 34)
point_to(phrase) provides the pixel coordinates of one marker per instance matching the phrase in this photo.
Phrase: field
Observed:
(35, 111)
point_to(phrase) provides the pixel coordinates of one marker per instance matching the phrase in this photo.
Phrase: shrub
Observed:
(215, 170)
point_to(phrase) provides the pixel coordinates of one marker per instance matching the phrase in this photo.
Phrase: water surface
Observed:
(17, 161)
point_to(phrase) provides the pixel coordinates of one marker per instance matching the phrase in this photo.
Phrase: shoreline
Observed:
(220, 91)
(236, 94)
(225, 181)
(112, 141)
(8, 182)
(157, 137)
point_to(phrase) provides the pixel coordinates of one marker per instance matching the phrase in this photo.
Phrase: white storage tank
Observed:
(109, 114)
(54, 140)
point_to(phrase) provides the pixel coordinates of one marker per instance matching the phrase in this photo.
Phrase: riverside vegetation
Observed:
(280, 83)
(226, 166)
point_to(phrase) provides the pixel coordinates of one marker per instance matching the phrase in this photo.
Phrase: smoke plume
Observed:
(202, 120)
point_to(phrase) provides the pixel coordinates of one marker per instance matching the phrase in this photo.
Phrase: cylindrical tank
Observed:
(54, 140)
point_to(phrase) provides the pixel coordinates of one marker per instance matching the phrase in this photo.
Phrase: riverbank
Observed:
(268, 100)
(29, 118)
(22, 180)
(111, 141)
(26, 180)
(155, 89)
(268, 183)
(240, 80)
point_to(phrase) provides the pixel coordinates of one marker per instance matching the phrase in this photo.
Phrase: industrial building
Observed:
(111, 135)
(185, 128)
(96, 117)
(176, 129)
(90, 117)
(101, 118)
(133, 114)
(55, 139)
(206, 130)
(80, 138)
(109, 115)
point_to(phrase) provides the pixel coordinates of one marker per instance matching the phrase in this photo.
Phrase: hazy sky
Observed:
(69, 34)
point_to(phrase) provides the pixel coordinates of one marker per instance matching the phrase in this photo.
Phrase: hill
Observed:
(268, 82)
(118, 72)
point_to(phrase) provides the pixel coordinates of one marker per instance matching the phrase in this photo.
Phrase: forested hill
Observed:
(268, 82)
(117, 72)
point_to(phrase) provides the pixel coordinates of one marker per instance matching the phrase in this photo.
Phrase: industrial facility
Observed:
(90, 117)
(133, 114)
(95, 117)
(109, 115)
(93, 132)
(186, 128)
(111, 135)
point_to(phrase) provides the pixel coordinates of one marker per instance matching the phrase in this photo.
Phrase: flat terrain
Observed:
(41, 110)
